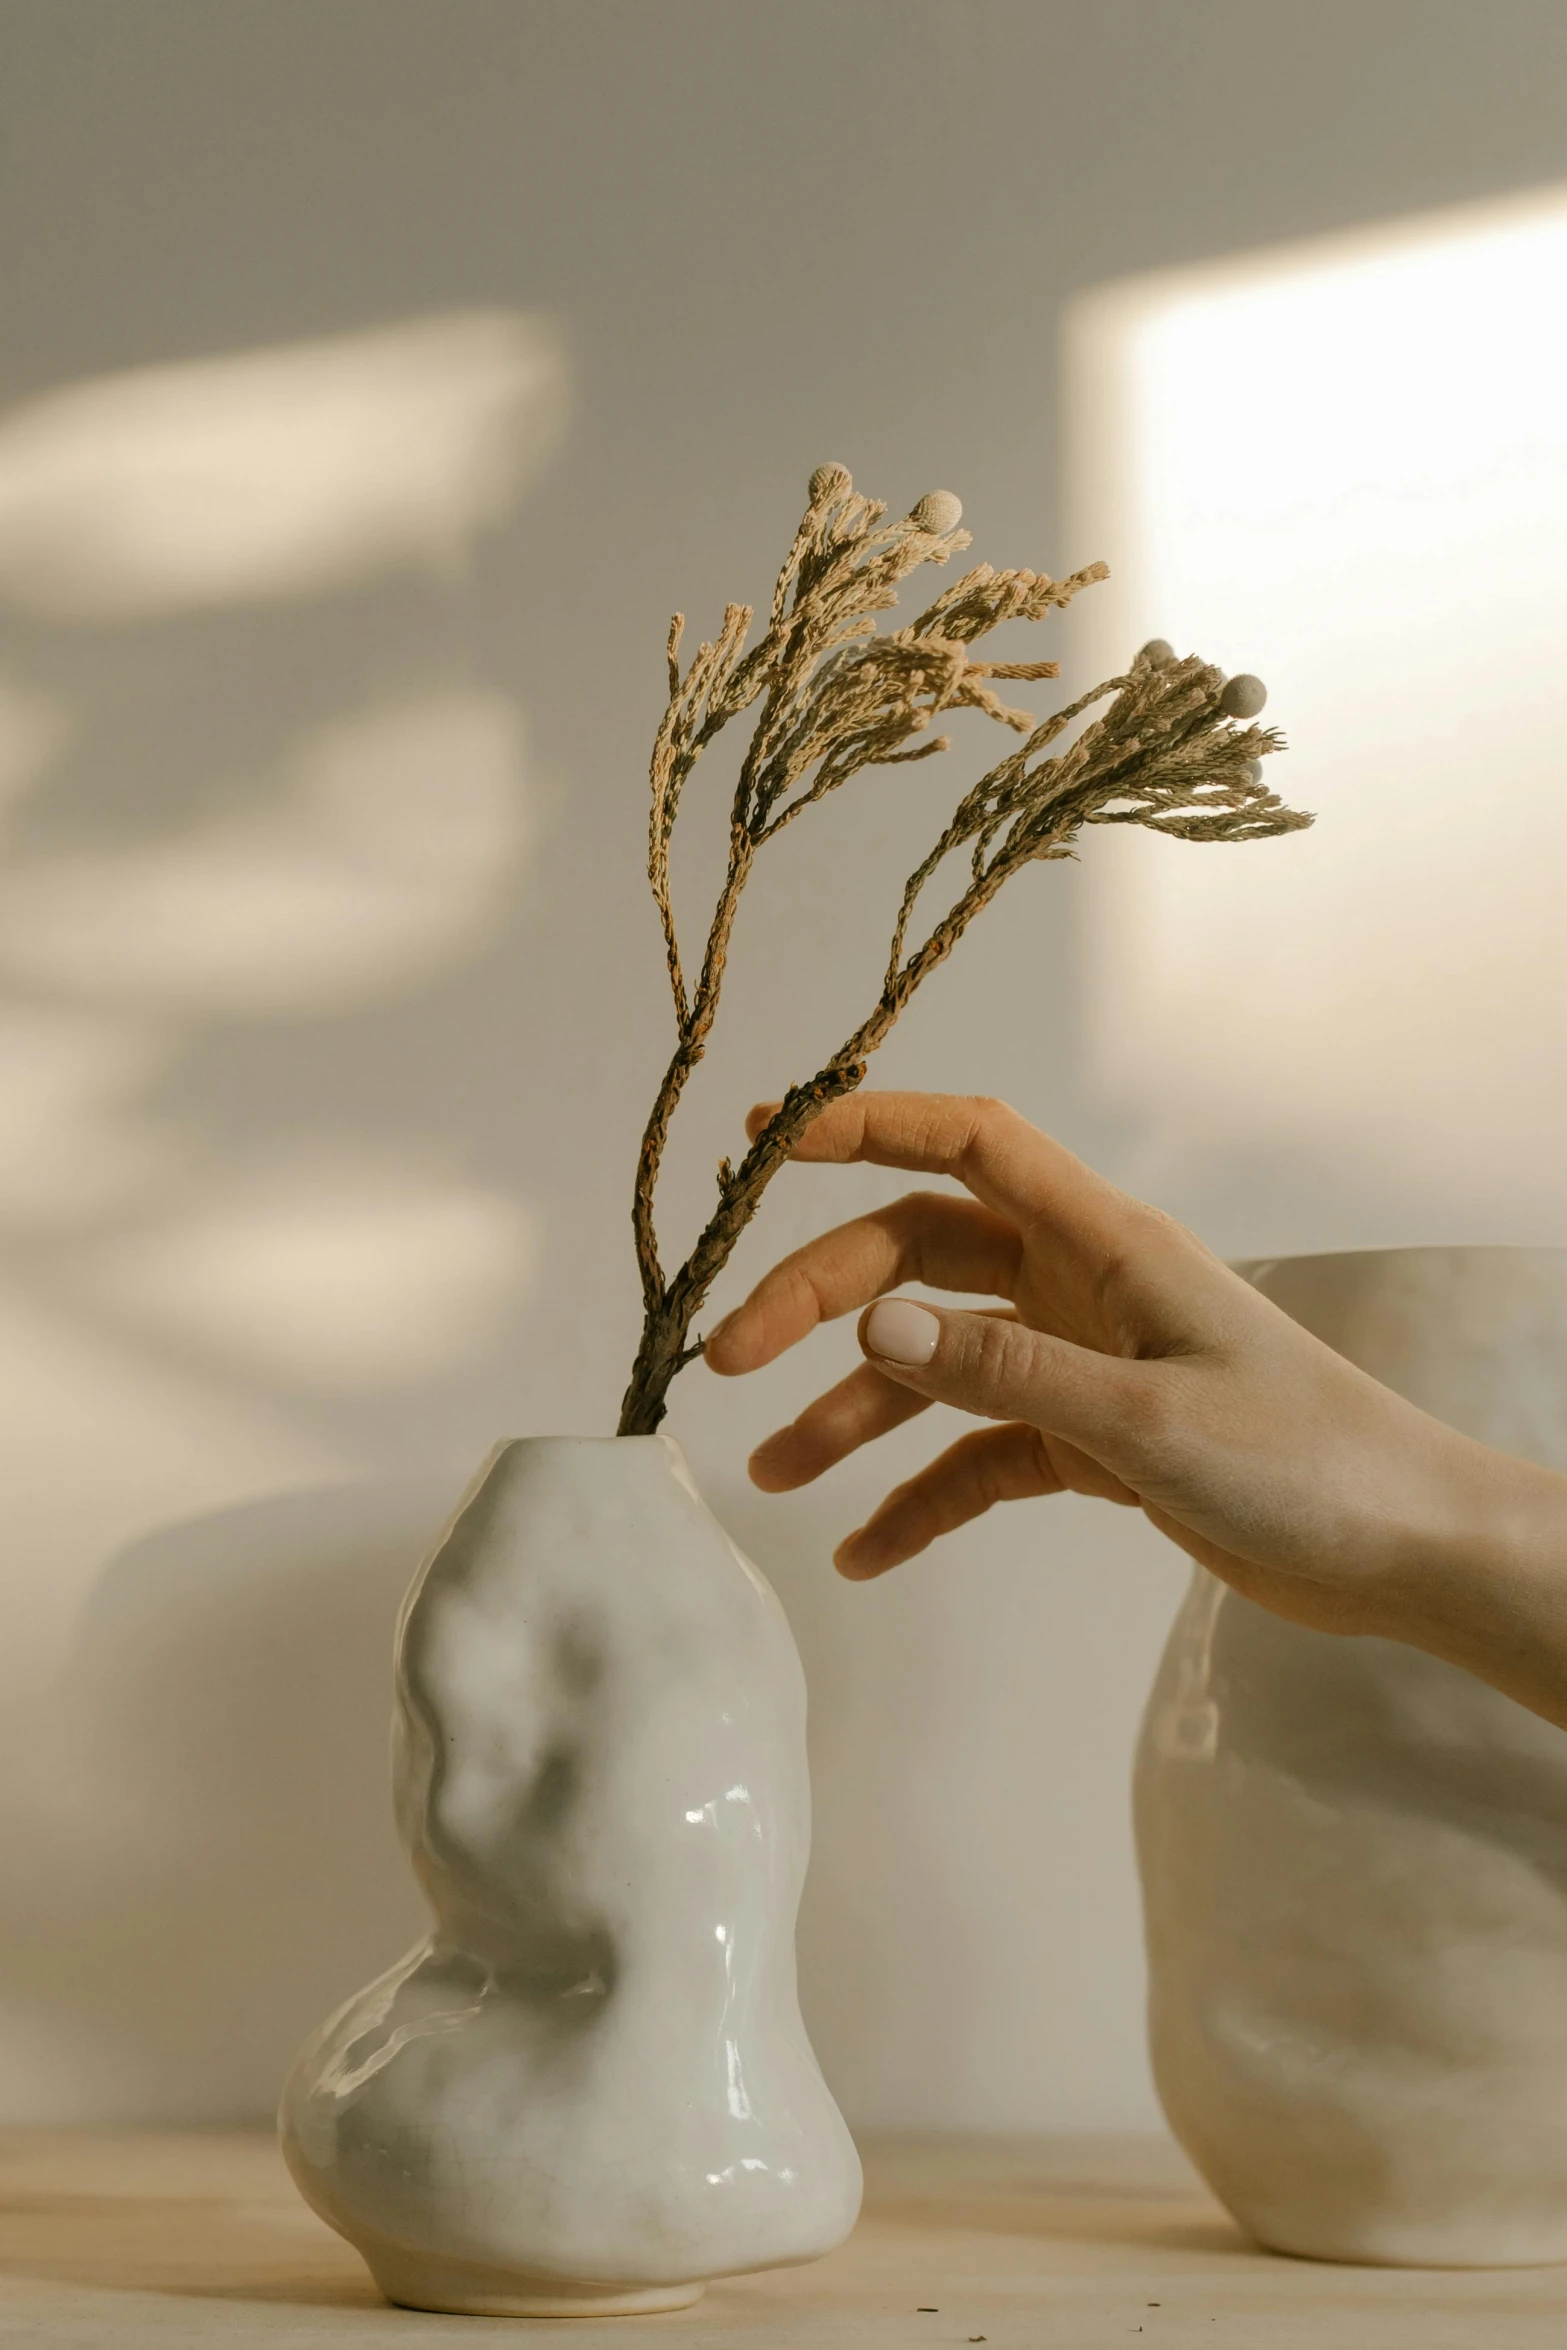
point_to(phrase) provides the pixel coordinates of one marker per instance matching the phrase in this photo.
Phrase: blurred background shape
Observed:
(336, 1277)
(285, 818)
(76, 1141)
(388, 846)
(272, 473)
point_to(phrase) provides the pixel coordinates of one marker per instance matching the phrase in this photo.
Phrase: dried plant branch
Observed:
(837, 696)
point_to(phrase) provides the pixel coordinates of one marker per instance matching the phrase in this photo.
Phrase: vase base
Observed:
(1434, 2250)
(456, 2290)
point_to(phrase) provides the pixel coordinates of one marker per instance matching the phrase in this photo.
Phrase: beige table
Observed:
(1044, 2244)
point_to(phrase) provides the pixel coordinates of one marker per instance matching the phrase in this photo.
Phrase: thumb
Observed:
(1002, 1370)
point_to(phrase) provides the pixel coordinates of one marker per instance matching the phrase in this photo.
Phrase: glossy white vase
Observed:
(1354, 1857)
(590, 2090)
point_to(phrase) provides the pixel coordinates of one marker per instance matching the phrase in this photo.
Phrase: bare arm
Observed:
(1129, 1363)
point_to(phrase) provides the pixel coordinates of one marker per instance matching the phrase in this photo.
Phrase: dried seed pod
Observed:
(1158, 652)
(938, 511)
(1153, 756)
(1243, 697)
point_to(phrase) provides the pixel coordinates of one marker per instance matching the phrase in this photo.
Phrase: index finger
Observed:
(985, 1144)
(947, 1243)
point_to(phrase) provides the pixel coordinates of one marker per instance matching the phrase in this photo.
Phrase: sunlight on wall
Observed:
(390, 843)
(331, 1280)
(273, 473)
(75, 1138)
(1344, 466)
(34, 730)
(180, 1290)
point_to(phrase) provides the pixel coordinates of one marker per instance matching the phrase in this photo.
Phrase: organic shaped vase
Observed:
(590, 2090)
(1354, 1857)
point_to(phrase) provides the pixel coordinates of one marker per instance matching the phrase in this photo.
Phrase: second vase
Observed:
(1354, 1856)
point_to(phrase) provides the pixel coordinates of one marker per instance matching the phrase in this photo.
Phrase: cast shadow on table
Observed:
(1096, 2188)
(214, 2219)
(216, 1866)
(241, 2251)
(206, 1863)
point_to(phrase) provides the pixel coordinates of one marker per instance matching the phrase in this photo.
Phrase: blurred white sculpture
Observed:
(1354, 1856)
(590, 2090)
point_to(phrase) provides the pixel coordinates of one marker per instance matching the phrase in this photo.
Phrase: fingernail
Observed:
(902, 1332)
(717, 1331)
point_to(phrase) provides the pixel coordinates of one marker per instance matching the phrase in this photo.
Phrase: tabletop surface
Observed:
(129, 2239)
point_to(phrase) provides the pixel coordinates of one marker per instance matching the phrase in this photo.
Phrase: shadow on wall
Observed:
(206, 1864)
(963, 1892)
(249, 781)
(213, 1867)
(303, 858)
(879, 1804)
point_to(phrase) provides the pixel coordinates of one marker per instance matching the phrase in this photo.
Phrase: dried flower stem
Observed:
(836, 696)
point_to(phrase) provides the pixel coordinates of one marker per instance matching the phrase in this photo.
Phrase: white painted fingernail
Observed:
(902, 1332)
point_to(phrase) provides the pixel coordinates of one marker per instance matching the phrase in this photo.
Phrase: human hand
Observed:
(1131, 1364)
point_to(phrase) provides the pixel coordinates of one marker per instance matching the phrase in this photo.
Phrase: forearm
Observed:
(1485, 1585)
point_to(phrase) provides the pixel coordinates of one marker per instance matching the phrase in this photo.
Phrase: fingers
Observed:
(859, 1408)
(932, 1237)
(1001, 1158)
(1109, 1407)
(1015, 1463)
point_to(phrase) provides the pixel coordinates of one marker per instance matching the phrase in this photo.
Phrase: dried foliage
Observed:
(833, 696)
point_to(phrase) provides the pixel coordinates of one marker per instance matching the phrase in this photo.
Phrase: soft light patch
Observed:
(328, 1282)
(1344, 466)
(387, 848)
(275, 472)
(75, 1138)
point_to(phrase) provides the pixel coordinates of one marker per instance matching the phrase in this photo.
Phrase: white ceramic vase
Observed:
(1354, 1857)
(590, 2090)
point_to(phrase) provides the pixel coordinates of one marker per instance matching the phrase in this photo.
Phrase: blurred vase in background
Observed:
(1354, 1856)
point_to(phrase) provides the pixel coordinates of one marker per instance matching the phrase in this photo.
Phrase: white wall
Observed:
(329, 1001)
(1343, 462)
